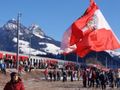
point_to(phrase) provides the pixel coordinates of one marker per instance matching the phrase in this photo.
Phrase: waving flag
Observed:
(89, 32)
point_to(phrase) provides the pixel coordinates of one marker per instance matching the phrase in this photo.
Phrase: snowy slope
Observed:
(113, 53)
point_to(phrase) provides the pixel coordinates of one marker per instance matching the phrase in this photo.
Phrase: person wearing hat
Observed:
(15, 83)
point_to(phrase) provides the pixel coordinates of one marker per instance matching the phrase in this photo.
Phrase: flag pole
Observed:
(106, 62)
(64, 57)
(96, 56)
(77, 58)
(18, 29)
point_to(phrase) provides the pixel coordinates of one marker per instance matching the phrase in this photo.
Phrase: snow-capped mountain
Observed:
(32, 39)
(113, 53)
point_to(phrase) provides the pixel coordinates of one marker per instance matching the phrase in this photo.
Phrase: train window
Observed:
(37, 60)
(34, 60)
(31, 59)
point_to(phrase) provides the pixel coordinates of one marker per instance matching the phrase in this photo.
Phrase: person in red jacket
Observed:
(15, 83)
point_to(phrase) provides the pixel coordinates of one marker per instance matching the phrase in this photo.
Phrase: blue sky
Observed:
(55, 16)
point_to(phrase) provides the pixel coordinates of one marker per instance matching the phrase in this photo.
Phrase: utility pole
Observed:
(29, 60)
(30, 42)
(30, 45)
(18, 30)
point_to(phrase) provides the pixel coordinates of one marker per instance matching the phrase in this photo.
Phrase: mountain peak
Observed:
(14, 21)
(36, 30)
(10, 25)
(31, 37)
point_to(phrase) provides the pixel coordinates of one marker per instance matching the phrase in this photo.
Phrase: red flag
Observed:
(91, 32)
(74, 33)
(99, 37)
(80, 26)
(65, 44)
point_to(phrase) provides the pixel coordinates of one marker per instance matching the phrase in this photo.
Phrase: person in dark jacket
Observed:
(71, 75)
(102, 78)
(50, 75)
(15, 83)
(84, 76)
(64, 74)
